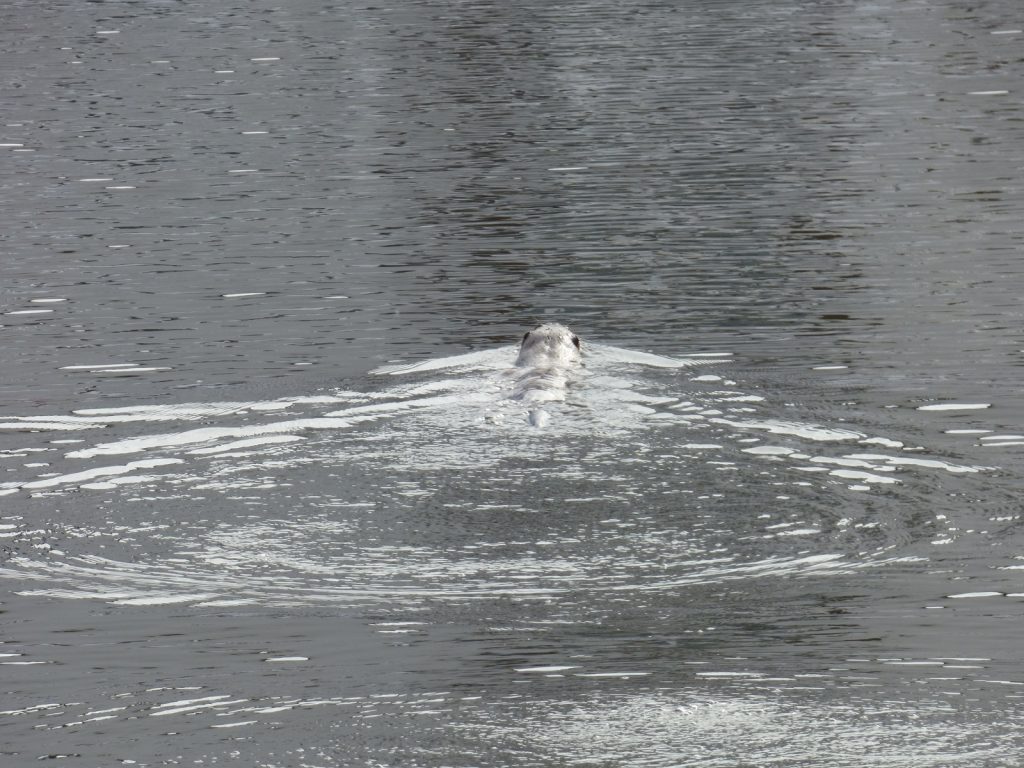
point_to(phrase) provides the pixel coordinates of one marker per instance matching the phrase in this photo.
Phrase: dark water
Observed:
(791, 537)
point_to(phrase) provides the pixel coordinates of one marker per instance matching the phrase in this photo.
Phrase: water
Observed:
(263, 500)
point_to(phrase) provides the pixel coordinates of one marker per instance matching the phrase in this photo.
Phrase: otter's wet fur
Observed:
(548, 357)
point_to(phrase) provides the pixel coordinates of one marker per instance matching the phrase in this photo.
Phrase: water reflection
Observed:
(786, 725)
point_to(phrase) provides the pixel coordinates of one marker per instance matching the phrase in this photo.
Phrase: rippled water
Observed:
(264, 498)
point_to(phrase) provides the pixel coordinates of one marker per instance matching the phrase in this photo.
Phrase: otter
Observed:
(548, 355)
(549, 345)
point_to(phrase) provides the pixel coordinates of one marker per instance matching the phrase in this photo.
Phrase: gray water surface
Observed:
(264, 500)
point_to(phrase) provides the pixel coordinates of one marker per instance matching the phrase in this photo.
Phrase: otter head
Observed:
(551, 344)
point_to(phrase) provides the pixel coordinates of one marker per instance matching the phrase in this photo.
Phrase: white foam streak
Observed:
(196, 707)
(849, 462)
(97, 418)
(490, 359)
(796, 429)
(90, 474)
(773, 566)
(955, 407)
(498, 359)
(397, 406)
(914, 462)
(38, 426)
(867, 477)
(205, 435)
(632, 357)
(250, 443)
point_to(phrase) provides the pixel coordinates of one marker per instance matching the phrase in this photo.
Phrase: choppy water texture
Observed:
(264, 498)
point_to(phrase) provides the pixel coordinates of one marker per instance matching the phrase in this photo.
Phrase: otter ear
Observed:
(576, 341)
